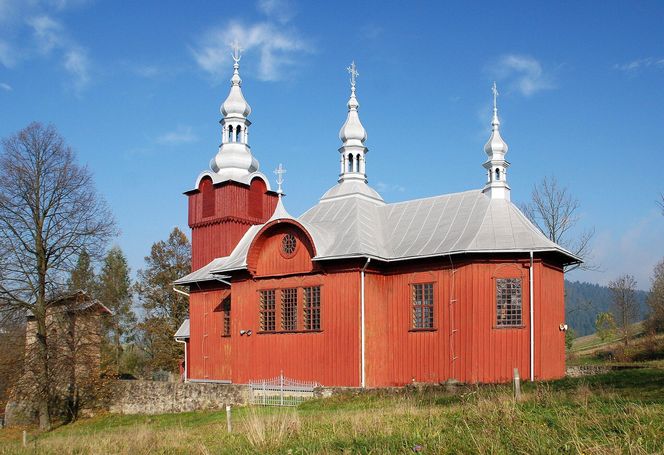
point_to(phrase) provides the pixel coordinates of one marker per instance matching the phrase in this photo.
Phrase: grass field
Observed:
(618, 412)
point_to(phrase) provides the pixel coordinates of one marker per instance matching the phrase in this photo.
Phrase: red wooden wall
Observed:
(464, 344)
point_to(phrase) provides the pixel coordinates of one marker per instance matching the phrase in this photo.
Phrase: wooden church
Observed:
(358, 292)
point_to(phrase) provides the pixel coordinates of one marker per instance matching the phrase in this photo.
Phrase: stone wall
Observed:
(153, 397)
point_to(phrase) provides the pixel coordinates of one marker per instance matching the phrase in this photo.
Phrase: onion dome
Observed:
(352, 132)
(235, 104)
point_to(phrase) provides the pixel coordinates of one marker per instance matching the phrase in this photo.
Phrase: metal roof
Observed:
(183, 331)
(203, 274)
(467, 222)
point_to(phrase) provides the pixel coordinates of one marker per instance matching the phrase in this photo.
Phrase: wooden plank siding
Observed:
(236, 208)
(464, 344)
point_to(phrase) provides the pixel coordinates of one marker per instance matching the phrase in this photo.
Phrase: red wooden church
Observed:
(359, 292)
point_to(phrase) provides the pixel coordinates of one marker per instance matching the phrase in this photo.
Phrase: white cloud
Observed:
(51, 37)
(6, 87)
(282, 10)
(31, 29)
(7, 57)
(640, 64)
(523, 73)
(275, 44)
(181, 135)
(48, 33)
(77, 64)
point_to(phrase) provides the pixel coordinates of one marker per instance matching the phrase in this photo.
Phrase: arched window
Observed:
(357, 163)
(207, 189)
(238, 134)
(257, 189)
(350, 163)
(497, 174)
(230, 133)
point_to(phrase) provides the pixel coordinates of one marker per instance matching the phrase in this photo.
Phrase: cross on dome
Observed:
(494, 90)
(352, 69)
(280, 171)
(237, 51)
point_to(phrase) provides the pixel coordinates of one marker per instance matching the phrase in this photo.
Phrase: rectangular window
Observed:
(508, 302)
(226, 309)
(289, 309)
(312, 308)
(423, 306)
(268, 318)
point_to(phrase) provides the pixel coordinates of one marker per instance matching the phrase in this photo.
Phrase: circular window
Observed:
(288, 244)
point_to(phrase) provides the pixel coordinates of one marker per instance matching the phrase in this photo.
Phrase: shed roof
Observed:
(183, 331)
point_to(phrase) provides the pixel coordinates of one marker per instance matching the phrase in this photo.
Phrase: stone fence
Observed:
(154, 397)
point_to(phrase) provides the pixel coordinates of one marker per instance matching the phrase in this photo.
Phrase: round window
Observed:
(288, 244)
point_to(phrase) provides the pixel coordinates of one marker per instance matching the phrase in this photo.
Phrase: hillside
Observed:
(583, 301)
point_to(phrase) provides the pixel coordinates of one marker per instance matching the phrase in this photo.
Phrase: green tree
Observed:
(570, 335)
(164, 308)
(655, 319)
(82, 277)
(115, 291)
(605, 325)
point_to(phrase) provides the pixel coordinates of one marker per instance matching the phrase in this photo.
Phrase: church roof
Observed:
(467, 222)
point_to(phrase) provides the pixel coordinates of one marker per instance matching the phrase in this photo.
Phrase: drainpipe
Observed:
(180, 292)
(186, 360)
(362, 361)
(532, 320)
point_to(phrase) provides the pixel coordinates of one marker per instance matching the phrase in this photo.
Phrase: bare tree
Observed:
(50, 213)
(655, 320)
(555, 212)
(624, 303)
(661, 202)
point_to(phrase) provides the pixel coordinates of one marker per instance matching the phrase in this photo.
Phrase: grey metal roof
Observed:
(183, 331)
(203, 274)
(356, 226)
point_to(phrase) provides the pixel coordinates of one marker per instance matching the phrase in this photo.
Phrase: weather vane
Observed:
(236, 51)
(494, 90)
(280, 171)
(352, 69)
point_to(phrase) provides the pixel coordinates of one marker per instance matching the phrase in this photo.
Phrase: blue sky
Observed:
(135, 88)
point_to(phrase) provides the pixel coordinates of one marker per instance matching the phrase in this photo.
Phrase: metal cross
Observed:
(236, 51)
(494, 90)
(280, 171)
(352, 69)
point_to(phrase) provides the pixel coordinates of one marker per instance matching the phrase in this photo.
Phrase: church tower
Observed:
(496, 166)
(232, 195)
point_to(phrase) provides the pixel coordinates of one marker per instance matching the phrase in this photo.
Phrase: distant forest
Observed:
(583, 301)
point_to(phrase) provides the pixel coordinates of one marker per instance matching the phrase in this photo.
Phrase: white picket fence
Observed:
(281, 391)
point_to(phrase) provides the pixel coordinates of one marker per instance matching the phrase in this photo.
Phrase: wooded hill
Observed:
(583, 301)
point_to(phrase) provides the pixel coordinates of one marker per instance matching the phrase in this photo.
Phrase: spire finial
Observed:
(280, 171)
(352, 69)
(494, 90)
(237, 52)
(495, 122)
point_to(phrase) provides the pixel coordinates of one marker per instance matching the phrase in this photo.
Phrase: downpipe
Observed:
(532, 319)
(362, 336)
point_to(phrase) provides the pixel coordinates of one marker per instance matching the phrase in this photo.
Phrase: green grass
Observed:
(617, 412)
